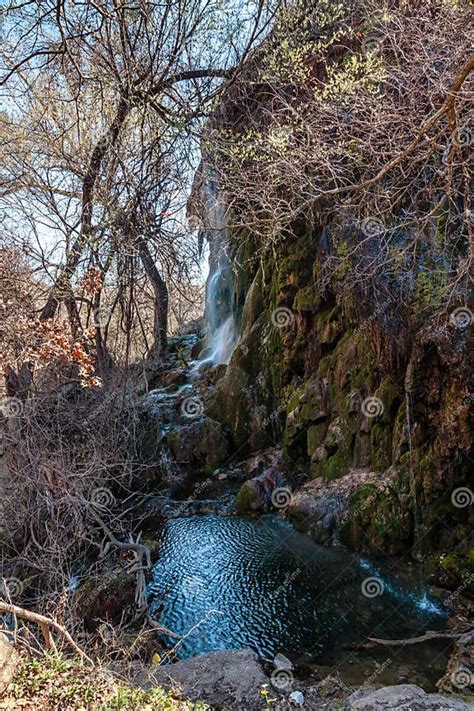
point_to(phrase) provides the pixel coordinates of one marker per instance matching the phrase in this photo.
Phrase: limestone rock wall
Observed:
(347, 385)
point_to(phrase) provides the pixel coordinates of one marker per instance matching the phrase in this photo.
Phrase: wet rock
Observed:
(319, 508)
(174, 377)
(215, 373)
(257, 463)
(256, 494)
(459, 677)
(9, 661)
(405, 696)
(203, 442)
(232, 679)
(160, 508)
(361, 509)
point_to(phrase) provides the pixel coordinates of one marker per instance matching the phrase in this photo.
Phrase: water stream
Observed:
(234, 582)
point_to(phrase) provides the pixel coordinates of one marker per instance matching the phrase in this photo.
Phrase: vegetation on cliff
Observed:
(343, 160)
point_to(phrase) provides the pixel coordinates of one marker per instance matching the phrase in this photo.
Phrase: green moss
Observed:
(378, 520)
(380, 447)
(315, 437)
(307, 299)
(454, 570)
(333, 467)
(247, 498)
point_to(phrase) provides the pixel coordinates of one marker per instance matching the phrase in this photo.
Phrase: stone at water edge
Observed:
(282, 662)
(9, 662)
(202, 442)
(405, 697)
(256, 494)
(230, 679)
(297, 698)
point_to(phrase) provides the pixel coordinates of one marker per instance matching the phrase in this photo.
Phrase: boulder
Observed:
(231, 679)
(202, 442)
(177, 376)
(406, 697)
(459, 677)
(320, 508)
(9, 662)
(105, 598)
(256, 494)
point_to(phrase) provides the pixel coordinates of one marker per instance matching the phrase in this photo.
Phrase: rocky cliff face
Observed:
(371, 405)
(354, 337)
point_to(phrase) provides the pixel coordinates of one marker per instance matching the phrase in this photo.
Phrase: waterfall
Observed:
(221, 330)
(222, 342)
(220, 326)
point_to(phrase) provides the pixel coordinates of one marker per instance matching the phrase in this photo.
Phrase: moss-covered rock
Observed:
(105, 598)
(342, 393)
(203, 443)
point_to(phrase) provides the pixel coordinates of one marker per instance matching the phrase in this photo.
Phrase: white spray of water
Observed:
(222, 343)
(220, 324)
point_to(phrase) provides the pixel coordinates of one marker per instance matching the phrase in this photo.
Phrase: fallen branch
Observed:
(141, 562)
(159, 628)
(46, 624)
(416, 640)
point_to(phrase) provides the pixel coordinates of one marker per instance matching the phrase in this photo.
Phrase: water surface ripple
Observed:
(233, 582)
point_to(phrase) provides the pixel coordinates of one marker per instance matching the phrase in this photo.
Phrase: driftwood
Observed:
(159, 628)
(460, 637)
(423, 638)
(46, 624)
(141, 562)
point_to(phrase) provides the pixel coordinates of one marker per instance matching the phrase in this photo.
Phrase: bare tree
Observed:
(354, 117)
(107, 101)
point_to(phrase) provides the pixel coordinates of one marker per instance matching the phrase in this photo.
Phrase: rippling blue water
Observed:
(232, 582)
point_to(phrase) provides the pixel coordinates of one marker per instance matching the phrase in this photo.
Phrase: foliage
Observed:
(354, 117)
(28, 340)
(56, 683)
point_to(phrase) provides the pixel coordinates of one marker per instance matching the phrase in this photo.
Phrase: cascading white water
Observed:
(223, 342)
(220, 325)
(222, 335)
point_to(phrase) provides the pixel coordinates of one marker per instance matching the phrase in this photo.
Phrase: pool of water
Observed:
(234, 582)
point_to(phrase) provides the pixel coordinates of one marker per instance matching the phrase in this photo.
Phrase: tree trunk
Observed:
(61, 285)
(160, 291)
